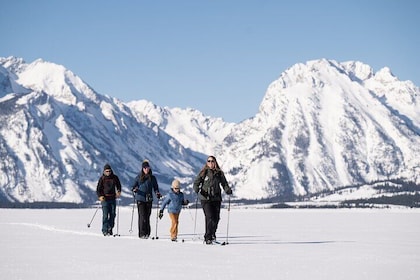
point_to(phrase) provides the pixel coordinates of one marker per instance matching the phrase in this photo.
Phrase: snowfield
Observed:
(263, 244)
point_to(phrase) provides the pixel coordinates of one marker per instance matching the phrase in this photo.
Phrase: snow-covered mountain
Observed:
(57, 133)
(325, 124)
(321, 125)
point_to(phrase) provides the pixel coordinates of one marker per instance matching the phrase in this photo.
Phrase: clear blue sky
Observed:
(217, 56)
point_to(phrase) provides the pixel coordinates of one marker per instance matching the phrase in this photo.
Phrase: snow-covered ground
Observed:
(263, 244)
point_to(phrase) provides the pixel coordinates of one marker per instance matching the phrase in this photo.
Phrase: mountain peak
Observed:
(385, 76)
(321, 125)
(52, 79)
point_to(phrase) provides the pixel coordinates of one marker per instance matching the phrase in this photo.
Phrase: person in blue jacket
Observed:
(174, 200)
(143, 187)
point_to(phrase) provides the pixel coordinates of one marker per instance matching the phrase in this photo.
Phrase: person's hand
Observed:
(160, 214)
(158, 195)
(102, 198)
(135, 189)
(118, 194)
(229, 191)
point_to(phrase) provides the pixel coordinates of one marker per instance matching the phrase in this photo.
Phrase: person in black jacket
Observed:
(143, 187)
(207, 184)
(108, 190)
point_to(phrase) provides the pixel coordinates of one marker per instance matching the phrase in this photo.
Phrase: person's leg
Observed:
(148, 213)
(112, 214)
(105, 214)
(141, 207)
(215, 217)
(174, 225)
(207, 208)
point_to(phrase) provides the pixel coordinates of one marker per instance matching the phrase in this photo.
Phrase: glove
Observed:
(102, 198)
(160, 214)
(158, 195)
(229, 191)
(118, 194)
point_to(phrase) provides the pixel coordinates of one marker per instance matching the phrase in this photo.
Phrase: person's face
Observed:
(176, 189)
(146, 169)
(107, 172)
(211, 163)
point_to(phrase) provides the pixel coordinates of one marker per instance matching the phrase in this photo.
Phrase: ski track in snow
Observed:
(269, 244)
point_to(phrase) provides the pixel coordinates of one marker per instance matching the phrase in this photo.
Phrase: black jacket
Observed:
(108, 186)
(208, 183)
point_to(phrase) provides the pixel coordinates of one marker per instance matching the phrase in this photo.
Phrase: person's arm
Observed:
(156, 187)
(197, 182)
(165, 202)
(162, 207)
(118, 186)
(225, 184)
(184, 201)
(135, 185)
(100, 190)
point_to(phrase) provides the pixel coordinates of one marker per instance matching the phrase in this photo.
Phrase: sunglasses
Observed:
(210, 160)
(176, 188)
(107, 171)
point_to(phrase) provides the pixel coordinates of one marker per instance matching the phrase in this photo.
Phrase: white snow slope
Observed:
(263, 244)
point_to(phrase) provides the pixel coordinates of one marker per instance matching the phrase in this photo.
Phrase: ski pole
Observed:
(157, 219)
(88, 225)
(227, 226)
(195, 219)
(118, 218)
(132, 214)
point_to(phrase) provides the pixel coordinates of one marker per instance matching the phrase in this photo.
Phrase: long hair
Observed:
(205, 167)
(144, 176)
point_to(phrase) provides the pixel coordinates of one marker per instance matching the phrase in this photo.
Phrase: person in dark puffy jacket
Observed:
(143, 187)
(108, 190)
(207, 185)
(174, 200)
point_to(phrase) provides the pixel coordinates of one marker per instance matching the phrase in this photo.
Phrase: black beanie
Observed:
(107, 166)
(145, 164)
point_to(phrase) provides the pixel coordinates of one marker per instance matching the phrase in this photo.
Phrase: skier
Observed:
(108, 190)
(210, 178)
(175, 200)
(143, 186)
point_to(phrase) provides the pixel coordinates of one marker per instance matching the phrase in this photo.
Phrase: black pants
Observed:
(212, 216)
(144, 210)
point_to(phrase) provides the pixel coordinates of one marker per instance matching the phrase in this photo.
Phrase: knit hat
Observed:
(175, 184)
(145, 164)
(107, 166)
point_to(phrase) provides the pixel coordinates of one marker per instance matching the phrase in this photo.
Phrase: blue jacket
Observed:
(174, 201)
(145, 187)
